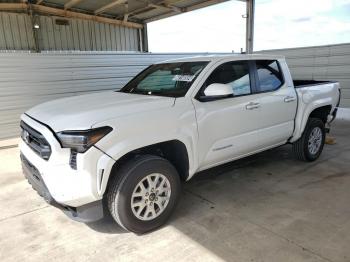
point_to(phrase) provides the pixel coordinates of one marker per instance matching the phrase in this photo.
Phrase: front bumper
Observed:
(68, 186)
(77, 192)
(86, 213)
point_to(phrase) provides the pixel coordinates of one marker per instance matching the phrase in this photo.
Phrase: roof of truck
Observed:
(213, 58)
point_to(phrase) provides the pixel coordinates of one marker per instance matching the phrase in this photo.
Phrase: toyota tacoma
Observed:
(126, 152)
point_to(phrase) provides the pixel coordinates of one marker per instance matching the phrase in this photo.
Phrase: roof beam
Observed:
(166, 7)
(126, 16)
(65, 13)
(109, 6)
(13, 6)
(174, 8)
(162, 5)
(138, 11)
(71, 3)
(187, 9)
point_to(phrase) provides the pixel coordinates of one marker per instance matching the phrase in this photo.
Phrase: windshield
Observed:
(168, 79)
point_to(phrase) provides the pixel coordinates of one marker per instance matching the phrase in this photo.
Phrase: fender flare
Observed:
(108, 162)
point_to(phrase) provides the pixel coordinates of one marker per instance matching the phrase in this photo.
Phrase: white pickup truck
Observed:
(126, 152)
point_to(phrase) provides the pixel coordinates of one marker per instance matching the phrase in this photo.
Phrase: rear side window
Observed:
(234, 74)
(269, 75)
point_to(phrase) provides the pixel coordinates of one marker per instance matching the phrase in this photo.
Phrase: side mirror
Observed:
(218, 91)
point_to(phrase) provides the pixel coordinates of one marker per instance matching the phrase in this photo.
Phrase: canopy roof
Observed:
(131, 13)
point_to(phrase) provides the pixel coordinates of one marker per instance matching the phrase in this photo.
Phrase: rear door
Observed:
(278, 103)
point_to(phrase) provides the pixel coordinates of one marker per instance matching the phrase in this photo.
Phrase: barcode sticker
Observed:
(183, 78)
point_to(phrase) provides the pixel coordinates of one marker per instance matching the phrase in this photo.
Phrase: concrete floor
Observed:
(269, 207)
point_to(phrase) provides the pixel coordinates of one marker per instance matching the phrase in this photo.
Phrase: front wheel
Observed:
(144, 193)
(309, 147)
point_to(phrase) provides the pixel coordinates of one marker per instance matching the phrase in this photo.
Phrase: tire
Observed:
(125, 189)
(315, 128)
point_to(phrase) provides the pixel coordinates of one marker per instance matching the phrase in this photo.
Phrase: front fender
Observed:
(141, 130)
(121, 149)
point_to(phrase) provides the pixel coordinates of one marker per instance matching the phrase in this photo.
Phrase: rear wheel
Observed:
(143, 194)
(309, 147)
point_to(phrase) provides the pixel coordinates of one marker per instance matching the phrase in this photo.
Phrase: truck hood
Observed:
(82, 112)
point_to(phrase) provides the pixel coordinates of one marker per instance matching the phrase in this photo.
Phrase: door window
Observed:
(234, 74)
(269, 75)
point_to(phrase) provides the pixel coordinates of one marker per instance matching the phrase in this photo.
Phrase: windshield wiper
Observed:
(159, 92)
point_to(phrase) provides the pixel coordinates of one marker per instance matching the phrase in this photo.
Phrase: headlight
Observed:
(81, 141)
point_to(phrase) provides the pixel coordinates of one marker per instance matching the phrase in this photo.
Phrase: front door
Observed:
(228, 127)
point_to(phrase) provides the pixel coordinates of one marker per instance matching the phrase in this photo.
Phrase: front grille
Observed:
(36, 141)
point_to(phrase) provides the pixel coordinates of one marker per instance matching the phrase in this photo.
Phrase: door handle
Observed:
(288, 99)
(252, 106)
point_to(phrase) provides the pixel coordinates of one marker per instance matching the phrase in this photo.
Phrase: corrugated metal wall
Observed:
(331, 62)
(29, 79)
(16, 33)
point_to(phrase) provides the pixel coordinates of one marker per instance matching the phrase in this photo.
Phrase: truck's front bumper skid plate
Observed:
(86, 213)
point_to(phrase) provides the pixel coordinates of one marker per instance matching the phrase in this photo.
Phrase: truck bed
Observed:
(303, 83)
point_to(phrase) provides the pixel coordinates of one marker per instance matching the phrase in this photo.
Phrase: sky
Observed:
(278, 24)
